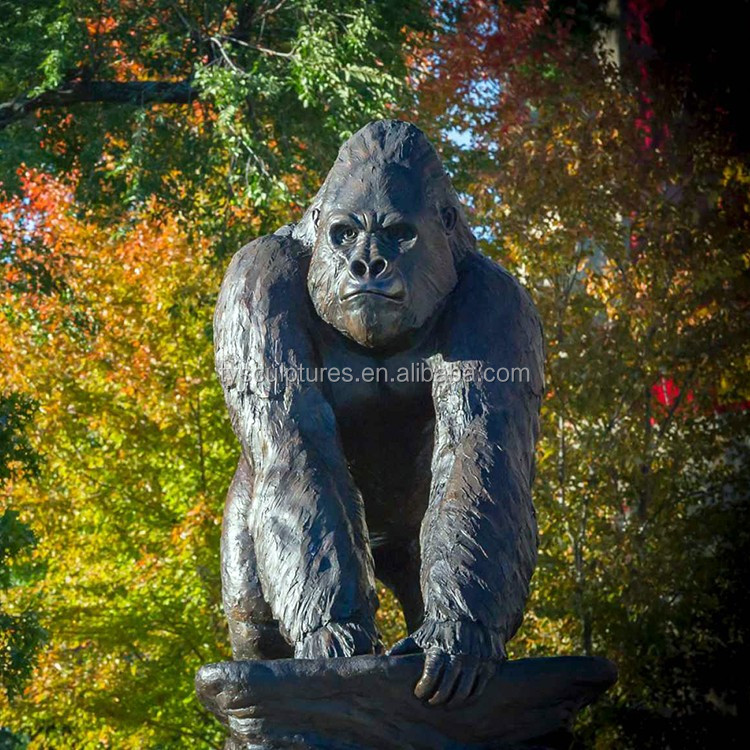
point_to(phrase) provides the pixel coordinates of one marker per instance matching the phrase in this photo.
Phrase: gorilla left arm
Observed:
(479, 535)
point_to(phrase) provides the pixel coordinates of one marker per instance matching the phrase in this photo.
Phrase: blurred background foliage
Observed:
(141, 143)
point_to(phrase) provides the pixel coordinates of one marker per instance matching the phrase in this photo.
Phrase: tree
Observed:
(20, 632)
(228, 110)
(142, 142)
(634, 247)
(115, 223)
(136, 458)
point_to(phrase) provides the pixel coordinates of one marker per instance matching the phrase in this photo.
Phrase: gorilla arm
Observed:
(479, 535)
(306, 515)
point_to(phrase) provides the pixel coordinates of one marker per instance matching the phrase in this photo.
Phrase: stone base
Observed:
(366, 703)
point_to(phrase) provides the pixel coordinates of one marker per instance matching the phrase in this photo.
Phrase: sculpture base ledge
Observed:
(367, 703)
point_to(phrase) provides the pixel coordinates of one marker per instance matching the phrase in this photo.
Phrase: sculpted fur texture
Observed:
(352, 466)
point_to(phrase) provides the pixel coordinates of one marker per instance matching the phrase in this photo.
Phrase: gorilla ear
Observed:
(449, 217)
(316, 216)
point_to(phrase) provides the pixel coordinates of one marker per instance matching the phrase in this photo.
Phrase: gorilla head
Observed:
(386, 230)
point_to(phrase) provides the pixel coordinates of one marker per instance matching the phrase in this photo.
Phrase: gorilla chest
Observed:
(386, 421)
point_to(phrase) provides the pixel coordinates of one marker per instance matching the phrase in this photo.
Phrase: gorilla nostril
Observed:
(378, 266)
(358, 268)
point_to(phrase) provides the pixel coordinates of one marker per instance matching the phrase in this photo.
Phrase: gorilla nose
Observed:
(374, 278)
(360, 270)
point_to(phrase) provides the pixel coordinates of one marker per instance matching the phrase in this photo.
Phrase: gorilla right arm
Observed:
(306, 515)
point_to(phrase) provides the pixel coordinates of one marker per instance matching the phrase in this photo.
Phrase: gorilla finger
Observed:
(451, 677)
(336, 649)
(466, 684)
(405, 646)
(483, 677)
(434, 664)
(327, 644)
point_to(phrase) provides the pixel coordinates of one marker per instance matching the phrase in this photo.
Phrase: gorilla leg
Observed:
(253, 632)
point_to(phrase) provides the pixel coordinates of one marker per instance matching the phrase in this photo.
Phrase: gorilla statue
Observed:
(365, 355)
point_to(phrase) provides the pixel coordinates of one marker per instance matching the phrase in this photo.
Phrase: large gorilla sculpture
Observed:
(354, 462)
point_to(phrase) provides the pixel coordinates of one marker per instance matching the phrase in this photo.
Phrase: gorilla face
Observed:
(381, 261)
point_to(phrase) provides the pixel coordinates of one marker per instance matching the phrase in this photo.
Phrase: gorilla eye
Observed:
(343, 233)
(401, 233)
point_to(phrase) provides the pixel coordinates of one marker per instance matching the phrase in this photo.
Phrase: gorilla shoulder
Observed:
(491, 302)
(268, 263)
(262, 308)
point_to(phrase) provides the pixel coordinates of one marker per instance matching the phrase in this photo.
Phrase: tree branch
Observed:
(139, 93)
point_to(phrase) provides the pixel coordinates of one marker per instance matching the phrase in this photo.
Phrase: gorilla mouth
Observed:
(393, 296)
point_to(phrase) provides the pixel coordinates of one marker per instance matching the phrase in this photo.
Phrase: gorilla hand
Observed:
(338, 639)
(460, 658)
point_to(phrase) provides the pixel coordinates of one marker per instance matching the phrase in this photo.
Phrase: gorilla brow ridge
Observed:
(395, 142)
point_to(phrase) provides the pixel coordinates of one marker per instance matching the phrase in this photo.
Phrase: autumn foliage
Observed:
(627, 222)
(112, 342)
(635, 250)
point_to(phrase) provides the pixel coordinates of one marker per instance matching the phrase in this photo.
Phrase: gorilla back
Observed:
(365, 356)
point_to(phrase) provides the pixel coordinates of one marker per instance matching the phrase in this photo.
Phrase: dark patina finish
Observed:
(384, 380)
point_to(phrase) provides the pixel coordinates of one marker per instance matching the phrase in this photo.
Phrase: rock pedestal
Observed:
(367, 703)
